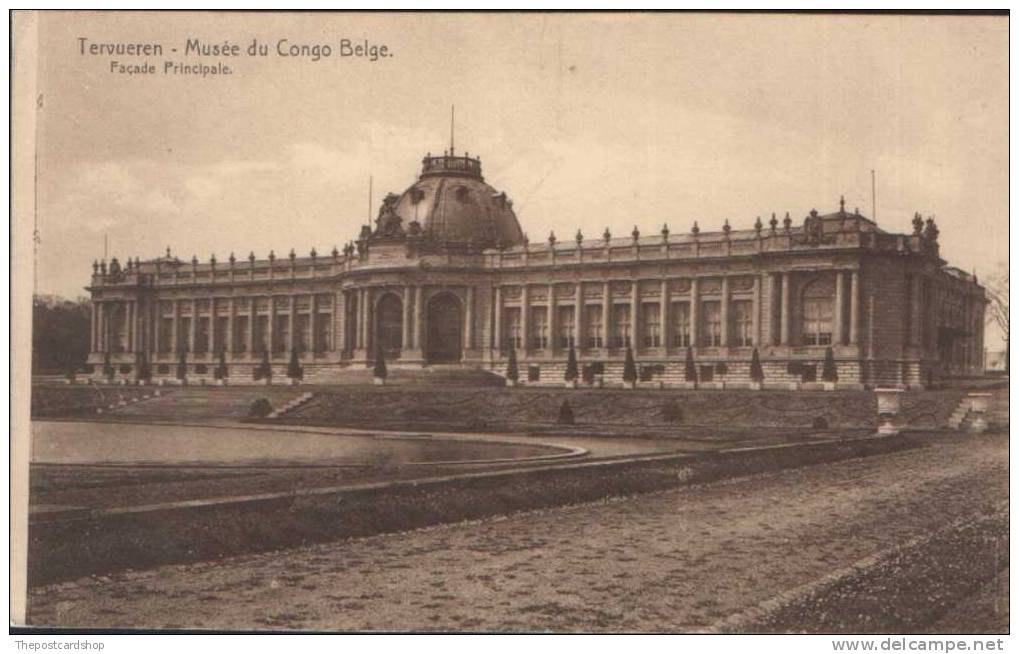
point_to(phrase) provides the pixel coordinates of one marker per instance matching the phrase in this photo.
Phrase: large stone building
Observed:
(447, 276)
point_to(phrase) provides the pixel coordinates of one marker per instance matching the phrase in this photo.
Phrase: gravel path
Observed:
(680, 560)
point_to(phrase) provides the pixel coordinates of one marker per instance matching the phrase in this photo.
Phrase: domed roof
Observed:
(453, 204)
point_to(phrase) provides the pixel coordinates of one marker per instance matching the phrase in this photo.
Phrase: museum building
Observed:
(447, 277)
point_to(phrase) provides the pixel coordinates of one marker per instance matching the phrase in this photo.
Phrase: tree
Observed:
(571, 366)
(565, 413)
(756, 371)
(690, 369)
(221, 372)
(629, 367)
(294, 369)
(380, 371)
(828, 371)
(996, 287)
(61, 330)
(512, 373)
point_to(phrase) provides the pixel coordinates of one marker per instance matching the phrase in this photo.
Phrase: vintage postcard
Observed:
(513, 322)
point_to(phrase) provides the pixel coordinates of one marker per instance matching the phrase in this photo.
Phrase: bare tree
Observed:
(997, 310)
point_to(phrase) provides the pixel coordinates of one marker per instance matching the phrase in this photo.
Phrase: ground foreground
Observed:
(709, 557)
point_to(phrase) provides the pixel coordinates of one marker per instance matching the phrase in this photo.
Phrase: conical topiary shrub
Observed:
(182, 366)
(690, 368)
(512, 372)
(264, 369)
(294, 370)
(756, 371)
(144, 370)
(379, 372)
(829, 373)
(221, 372)
(107, 367)
(565, 413)
(629, 370)
(571, 369)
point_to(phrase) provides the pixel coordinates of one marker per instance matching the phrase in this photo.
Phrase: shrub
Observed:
(629, 367)
(829, 373)
(819, 422)
(690, 369)
(379, 371)
(565, 414)
(512, 372)
(260, 408)
(671, 412)
(571, 365)
(756, 371)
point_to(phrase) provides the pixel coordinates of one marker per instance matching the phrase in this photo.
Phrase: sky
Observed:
(586, 120)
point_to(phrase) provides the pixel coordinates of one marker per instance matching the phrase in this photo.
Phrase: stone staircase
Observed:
(301, 399)
(443, 375)
(997, 412)
(184, 404)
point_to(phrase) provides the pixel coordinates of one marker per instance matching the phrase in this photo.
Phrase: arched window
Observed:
(818, 309)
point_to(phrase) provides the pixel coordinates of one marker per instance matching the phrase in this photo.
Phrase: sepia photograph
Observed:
(511, 323)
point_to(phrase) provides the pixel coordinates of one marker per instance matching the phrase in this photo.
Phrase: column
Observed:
(606, 314)
(94, 335)
(469, 320)
(211, 333)
(524, 310)
(419, 316)
(291, 324)
(406, 337)
(695, 301)
(578, 316)
(175, 343)
(635, 315)
(916, 308)
(367, 314)
(271, 336)
(129, 319)
(663, 315)
(252, 319)
(312, 319)
(193, 331)
(757, 311)
(837, 327)
(157, 326)
(230, 315)
(725, 311)
(550, 308)
(497, 327)
(854, 307)
(784, 329)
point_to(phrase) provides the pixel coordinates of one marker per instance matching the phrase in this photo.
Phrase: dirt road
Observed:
(680, 560)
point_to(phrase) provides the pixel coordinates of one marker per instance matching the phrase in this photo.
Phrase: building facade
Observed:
(446, 276)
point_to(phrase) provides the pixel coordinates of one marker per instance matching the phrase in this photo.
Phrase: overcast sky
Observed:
(586, 121)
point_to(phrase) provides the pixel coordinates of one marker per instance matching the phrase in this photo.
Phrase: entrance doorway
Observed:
(445, 329)
(389, 323)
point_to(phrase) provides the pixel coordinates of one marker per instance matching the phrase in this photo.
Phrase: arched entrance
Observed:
(389, 323)
(445, 329)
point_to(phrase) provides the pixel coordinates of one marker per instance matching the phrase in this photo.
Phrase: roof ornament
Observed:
(606, 236)
(167, 251)
(194, 260)
(272, 256)
(726, 228)
(551, 239)
(665, 233)
(787, 222)
(758, 225)
(232, 259)
(335, 252)
(842, 204)
(773, 222)
(212, 259)
(313, 254)
(292, 255)
(579, 237)
(251, 257)
(695, 230)
(635, 233)
(95, 267)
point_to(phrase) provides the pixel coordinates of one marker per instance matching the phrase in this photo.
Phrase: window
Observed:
(261, 333)
(593, 328)
(240, 337)
(712, 312)
(220, 335)
(511, 328)
(818, 308)
(281, 333)
(539, 328)
(201, 335)
(323, 332)
(680, 334)
(565, 325)
(166, 335)
(620, 325)
(743, 323)
(651, 325)
(184, 335)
